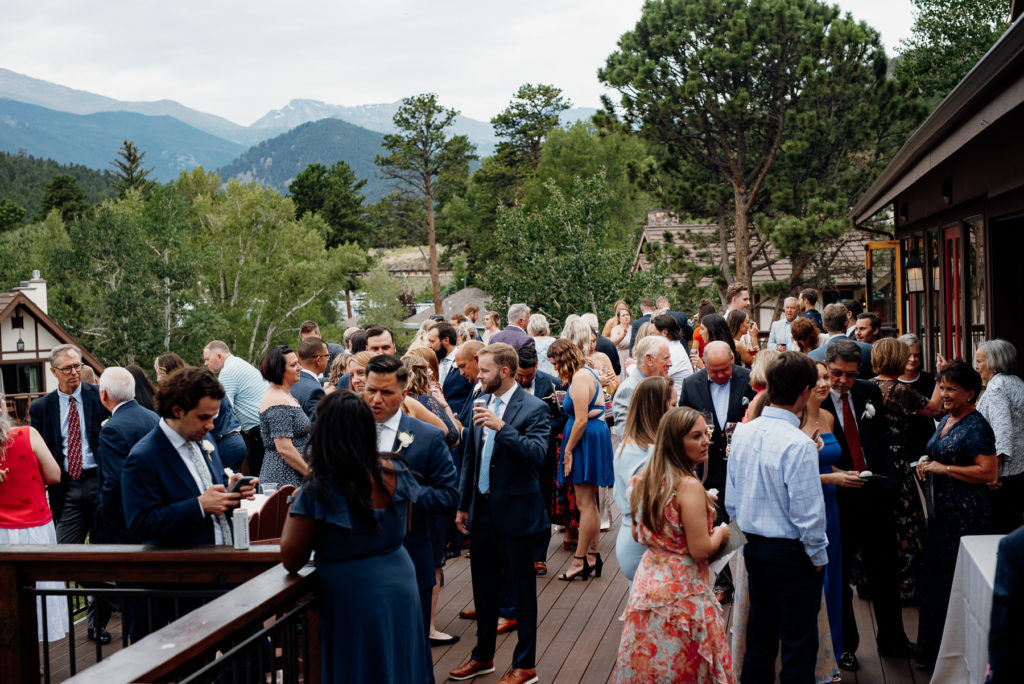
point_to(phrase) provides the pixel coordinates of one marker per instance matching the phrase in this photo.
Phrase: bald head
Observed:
(466, 361)
(718, 361)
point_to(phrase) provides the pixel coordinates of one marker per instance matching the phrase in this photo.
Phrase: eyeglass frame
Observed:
(66, 370)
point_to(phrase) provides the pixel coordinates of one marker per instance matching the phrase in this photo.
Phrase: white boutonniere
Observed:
(208, 448)
(105, 421)
(745, 401)
(404, 439)
(869, 411)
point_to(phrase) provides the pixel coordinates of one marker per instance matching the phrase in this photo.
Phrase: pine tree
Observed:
(128, 171)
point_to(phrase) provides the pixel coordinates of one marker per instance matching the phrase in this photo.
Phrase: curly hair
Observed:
(566, 357)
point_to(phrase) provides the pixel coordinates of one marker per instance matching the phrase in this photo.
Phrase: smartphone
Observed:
(243, 481)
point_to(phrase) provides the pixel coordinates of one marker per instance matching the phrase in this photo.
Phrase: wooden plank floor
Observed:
(85, 650)
(579, 629)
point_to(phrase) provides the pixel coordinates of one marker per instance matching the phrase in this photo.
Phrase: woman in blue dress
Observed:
(651, 400)
(586, 459)
(352, 511)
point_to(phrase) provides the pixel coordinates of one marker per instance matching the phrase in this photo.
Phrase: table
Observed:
(963, 653)
(254, 505)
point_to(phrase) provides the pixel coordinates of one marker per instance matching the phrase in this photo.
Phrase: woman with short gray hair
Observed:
(1002, 404)
(537, 328)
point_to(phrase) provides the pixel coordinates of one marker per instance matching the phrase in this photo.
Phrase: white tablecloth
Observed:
(963, 654)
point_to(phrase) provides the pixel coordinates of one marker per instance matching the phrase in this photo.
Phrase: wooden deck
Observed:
(579, 629)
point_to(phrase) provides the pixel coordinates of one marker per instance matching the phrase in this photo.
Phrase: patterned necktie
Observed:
(380, 431)
(485, 458)
(852, 435)
(204, 477)
(74, 441)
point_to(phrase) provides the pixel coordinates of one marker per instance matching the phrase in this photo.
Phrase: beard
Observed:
(441, 353)
(491, 386)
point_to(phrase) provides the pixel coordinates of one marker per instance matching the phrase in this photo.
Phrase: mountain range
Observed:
(45, 119)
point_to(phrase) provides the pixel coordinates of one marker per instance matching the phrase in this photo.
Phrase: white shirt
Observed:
(64, 400)
(387, 436)
(445, 366)
(310, 374)
(837, 401)
(181, 446)
(720, 399)
(681, 367)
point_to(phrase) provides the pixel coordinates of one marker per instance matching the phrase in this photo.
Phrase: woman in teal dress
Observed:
(352, 511)
(586, 459)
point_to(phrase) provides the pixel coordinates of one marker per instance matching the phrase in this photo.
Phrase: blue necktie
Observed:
(485, 459)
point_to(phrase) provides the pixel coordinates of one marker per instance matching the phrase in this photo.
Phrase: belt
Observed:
(228, 434)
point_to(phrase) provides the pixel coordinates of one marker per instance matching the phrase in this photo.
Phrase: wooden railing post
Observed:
(19, 642)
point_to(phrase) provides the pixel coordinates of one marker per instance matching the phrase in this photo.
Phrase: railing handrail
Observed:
(159, 655)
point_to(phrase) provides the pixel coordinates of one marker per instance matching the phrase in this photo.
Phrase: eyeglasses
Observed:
(71, 368)
(322, 356)
(849, 375)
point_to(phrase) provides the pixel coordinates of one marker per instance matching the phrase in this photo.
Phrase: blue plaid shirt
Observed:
(773, 488)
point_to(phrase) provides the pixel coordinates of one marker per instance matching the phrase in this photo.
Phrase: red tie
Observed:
(74, 442)
(852, 436)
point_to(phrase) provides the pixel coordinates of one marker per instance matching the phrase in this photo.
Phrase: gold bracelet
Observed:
(948, 472)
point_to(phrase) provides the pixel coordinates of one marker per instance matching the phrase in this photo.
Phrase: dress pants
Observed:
(867, 522)
(254, 451)
(494, 559)
(78, 519)
(785, 596)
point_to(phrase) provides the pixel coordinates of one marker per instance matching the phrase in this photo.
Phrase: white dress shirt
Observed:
(498, 411)
(720, 399)
(181, 446)
(388, 434)
(445, 366)
(88, 460)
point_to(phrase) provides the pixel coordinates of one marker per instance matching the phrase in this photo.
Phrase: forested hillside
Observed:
(23, 180)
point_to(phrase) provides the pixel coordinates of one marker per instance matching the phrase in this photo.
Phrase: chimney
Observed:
(35, 290)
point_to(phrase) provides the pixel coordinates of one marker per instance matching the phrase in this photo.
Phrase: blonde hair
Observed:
(760, 367)
(419, 377)
(667, 467)
(579, 333)
(338, 367)
(889, 357)
(645, 330)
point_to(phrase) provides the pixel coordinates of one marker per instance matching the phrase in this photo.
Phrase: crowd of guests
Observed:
(817, 446)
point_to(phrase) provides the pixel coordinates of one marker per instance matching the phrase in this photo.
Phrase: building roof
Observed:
(845, 259)
(989, 91)
(10, 301)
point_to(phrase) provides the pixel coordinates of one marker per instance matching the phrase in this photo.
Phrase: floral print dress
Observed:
(674, 630)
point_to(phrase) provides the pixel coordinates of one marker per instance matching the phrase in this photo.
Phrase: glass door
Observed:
(883, 261)
(953, 293)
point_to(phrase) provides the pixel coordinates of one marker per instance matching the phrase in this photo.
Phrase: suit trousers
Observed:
(785, 595)
(254, 450)
(78, 520)
(494, 559)
(867, 523)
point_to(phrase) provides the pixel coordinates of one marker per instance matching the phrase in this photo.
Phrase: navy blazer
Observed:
(866, 372)
(697, 395)
(44, 416)
(872, 433)
(635, 328)
(517, 465)
(544, 387)
(129, 424)
(431, 462)
(307, 392)
(159, 496)
(1006, 629)
(456, 390)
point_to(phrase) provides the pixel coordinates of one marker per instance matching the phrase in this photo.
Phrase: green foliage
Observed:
(334, 195)
(64, 196)
(425, 164)
(526, 122)
(382, 300)
(10, 214)
(754, 108)
(129, 174)
(947, 39)
(23, 180)
(557, 258)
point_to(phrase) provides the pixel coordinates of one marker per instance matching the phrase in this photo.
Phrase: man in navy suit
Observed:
(834, 318)
(129, 423)
(442, 339)
(647, 309)
(1006, 631)
(423, 448)
(173, 487)
(867, 511)
(723, 390)
(69, 419)
(515, 332)
(307, 391)
(502, 508)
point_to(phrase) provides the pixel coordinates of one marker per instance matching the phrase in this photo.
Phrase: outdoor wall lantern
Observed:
(915, 273)
(21, 343)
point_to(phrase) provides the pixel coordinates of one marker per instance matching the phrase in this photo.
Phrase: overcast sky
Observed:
(239, 59)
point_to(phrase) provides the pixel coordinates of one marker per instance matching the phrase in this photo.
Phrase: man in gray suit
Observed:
(652, 358)
(313, 355)
(834, 319)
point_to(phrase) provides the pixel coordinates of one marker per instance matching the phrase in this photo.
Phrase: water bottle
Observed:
(240, 528)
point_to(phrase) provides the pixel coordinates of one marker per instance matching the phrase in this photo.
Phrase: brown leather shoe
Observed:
(517, 676)
(468, 614)
(470, 669)
(540, 567)
(505, 625)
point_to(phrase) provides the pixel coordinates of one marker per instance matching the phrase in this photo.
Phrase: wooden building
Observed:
(27, 334)
(956, 193)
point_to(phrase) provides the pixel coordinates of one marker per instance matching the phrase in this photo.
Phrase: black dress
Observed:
(961, 508)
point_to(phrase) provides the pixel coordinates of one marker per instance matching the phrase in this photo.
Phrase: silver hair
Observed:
(118, 383)
(5, 423)
(787, 300)
(910, 339)
(647, 347)
(579, 333)
(62, 349)
(1000, 355)
(590, 319)
(517, 311)
(538, 326)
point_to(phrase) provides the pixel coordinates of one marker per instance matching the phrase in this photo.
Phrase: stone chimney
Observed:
(35, 290)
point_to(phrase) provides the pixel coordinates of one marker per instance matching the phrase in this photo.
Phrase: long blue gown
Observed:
(828, 457)
(592, 456)
(371, 624)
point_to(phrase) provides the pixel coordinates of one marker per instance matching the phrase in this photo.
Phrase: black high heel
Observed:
(598, 564)
(583, 573)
